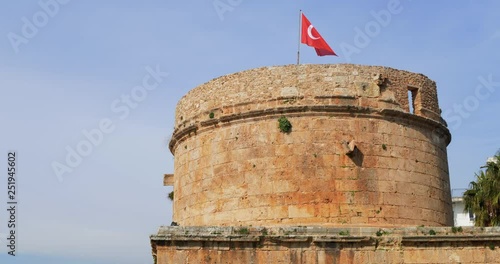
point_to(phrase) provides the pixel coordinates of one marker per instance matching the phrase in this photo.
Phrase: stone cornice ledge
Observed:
(450, 238)
(180, 134)
(223, 237)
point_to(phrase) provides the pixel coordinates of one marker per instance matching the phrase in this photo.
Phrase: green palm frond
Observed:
(483, 195)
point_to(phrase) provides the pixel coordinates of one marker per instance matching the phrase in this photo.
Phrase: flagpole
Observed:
(300, 36)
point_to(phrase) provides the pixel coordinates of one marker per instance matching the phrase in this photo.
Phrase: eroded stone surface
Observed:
(326, 245)
(233, 166)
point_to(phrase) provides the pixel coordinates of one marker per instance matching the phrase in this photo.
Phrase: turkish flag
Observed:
(311, 37)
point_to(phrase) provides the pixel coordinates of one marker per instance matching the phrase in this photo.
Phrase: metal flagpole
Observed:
(300, 36)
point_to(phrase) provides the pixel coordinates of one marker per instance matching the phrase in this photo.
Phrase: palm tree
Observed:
(483, 195)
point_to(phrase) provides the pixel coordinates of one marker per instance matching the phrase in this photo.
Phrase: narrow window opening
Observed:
(412, 94)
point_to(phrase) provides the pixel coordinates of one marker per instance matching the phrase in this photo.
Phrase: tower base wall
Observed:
(326, 245)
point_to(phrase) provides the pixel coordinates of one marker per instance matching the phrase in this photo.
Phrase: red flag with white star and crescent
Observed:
(312, 38)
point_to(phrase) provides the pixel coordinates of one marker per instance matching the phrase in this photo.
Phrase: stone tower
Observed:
(361, 177)
(367, 148)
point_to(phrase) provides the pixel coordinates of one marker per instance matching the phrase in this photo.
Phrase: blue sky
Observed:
(67, 77)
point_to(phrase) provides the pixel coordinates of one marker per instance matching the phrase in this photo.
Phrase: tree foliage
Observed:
(483, 195)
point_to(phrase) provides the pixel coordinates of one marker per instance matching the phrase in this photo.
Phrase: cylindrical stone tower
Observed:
(367, 148)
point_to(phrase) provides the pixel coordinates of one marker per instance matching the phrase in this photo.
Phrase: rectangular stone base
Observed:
(326, 245)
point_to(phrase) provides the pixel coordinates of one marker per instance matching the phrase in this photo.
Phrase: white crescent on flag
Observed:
(309, 32)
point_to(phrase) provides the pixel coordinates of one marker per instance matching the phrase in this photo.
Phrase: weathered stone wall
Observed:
(236, 167)
(264, 88)
(294, 245)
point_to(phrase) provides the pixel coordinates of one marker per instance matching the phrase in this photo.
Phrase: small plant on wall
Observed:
(171, 195)
(284, 125)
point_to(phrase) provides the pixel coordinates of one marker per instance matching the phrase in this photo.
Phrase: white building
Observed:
(461, 218)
